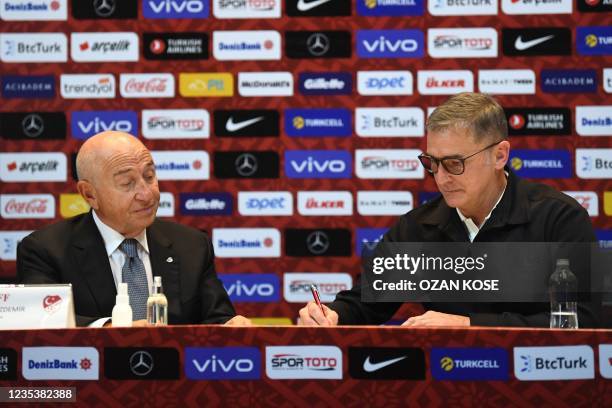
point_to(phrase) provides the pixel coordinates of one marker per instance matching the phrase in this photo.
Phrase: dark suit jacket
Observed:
(72, 251)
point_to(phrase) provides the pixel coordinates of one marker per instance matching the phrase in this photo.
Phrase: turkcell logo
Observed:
(390, 43)
(175, 8)
(206, 203)
(541, 163)
(85, 124)
(469, 364)
(594, 40)
(326, 83)
(568, 80)
(367, 239)
(604, 237)
(222, 363)
(318, 164)
(554, 363)
(318, 122)
(25, 86)
(390, 8)
(251, 287)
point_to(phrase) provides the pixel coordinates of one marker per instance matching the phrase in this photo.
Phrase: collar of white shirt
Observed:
(112, 239)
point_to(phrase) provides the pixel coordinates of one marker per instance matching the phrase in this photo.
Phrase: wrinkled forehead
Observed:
(122, 160)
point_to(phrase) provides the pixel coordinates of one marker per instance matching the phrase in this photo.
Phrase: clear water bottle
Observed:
(157, 305)
(563, 291)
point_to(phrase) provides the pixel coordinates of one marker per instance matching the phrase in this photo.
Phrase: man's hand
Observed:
(432, 318)
(238, 320)
(311, 315)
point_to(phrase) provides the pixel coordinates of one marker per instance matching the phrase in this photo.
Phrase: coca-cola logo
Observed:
(33, 206)
(151, 85)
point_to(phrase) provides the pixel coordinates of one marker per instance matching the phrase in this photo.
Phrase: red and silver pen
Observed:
(315, 295)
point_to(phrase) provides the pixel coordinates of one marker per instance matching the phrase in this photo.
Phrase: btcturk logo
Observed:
(52, 303)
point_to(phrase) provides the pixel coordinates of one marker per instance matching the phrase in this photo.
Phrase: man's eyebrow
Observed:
(121, 172)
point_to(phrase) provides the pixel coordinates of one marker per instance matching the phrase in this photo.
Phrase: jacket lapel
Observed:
(165, 263)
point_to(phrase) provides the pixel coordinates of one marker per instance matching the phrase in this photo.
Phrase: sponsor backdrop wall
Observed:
(289, 130)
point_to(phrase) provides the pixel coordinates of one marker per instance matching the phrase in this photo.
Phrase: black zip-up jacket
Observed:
(527, 212)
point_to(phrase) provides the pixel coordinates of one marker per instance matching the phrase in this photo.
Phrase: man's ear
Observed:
(88, 192)
(502, 154)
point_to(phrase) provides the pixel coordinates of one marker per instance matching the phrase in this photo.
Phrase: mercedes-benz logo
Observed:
(317, 242)
(141, 363)
(246, 164)
(104, 8)
(32, 125)
(318, 44)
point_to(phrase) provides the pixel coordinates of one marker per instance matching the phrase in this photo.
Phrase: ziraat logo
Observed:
(587, 199)
(318, 8)
(87, 86)
(530, 7)
(166, 205)
(27, 206)
(594, 40)
(318, 122)
(304, 362)
(261, 203)
(325, 203)
(246, 8)
(35, 10)
(181, 164)
(175, 46)
(388, 164)
(384, 202)
(568, 80)
(85, 124)
(251, 287)
(146, 85)
(60, 363)
(33, 125)
(265, 84)
(104, 47)
(246, 123)
(105, 9)
(389, 122)
(541, 163)
(246, 164)
(206, 84)
(462, 7)
(206, 203)
(246, 242)
(318, 164)
(384, 82)
(33, 47)
(318, 44)
(175, 123)
(325, 83)
(317, 242)
(386, 363)
(594, 163)
(222, 363)
(507, 81)
(246, 45)
(554, 363)
(28, 86)
(296, 287)
(473, 364)
(390, 43)
(379, 8)
(538, 121)
(72, 205)
(536, 41)
(367, 239)
(193, 9)
(8, 243)
(445, 82)
(18, 167)
(462, 42)
(594, 120)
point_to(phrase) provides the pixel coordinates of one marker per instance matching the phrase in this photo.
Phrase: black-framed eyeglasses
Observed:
(453, 165)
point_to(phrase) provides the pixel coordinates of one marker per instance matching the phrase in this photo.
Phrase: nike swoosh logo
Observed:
(370, 367)
(232, 126)
(521, 45)
(303, 5)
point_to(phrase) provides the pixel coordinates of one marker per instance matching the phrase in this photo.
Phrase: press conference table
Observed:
(348, 391)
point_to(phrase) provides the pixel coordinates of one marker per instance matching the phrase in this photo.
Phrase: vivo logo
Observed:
(222, 363)
(88, 123)
(252, 287)
(175, 9)
(317, 164)
(390, 43)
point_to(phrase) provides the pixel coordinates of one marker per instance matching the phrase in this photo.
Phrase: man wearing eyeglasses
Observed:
(482, 200)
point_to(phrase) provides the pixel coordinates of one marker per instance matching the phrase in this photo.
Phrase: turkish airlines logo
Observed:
(462, 42)
(175, 124)
(147, 85)
(27, 206)
(104, 47)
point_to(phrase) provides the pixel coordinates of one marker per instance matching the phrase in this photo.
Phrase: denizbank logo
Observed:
(181, 164)
(39, 10)
(392, 8)
(541, 163)
(554, 363)
(594, 120)
(60, 363)
(480, 364)
(390, 44)
(318, 122)
(246, 242)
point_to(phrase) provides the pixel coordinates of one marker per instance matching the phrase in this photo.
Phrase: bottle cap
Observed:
(157, 281)
(562, 262)
(123, 289)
